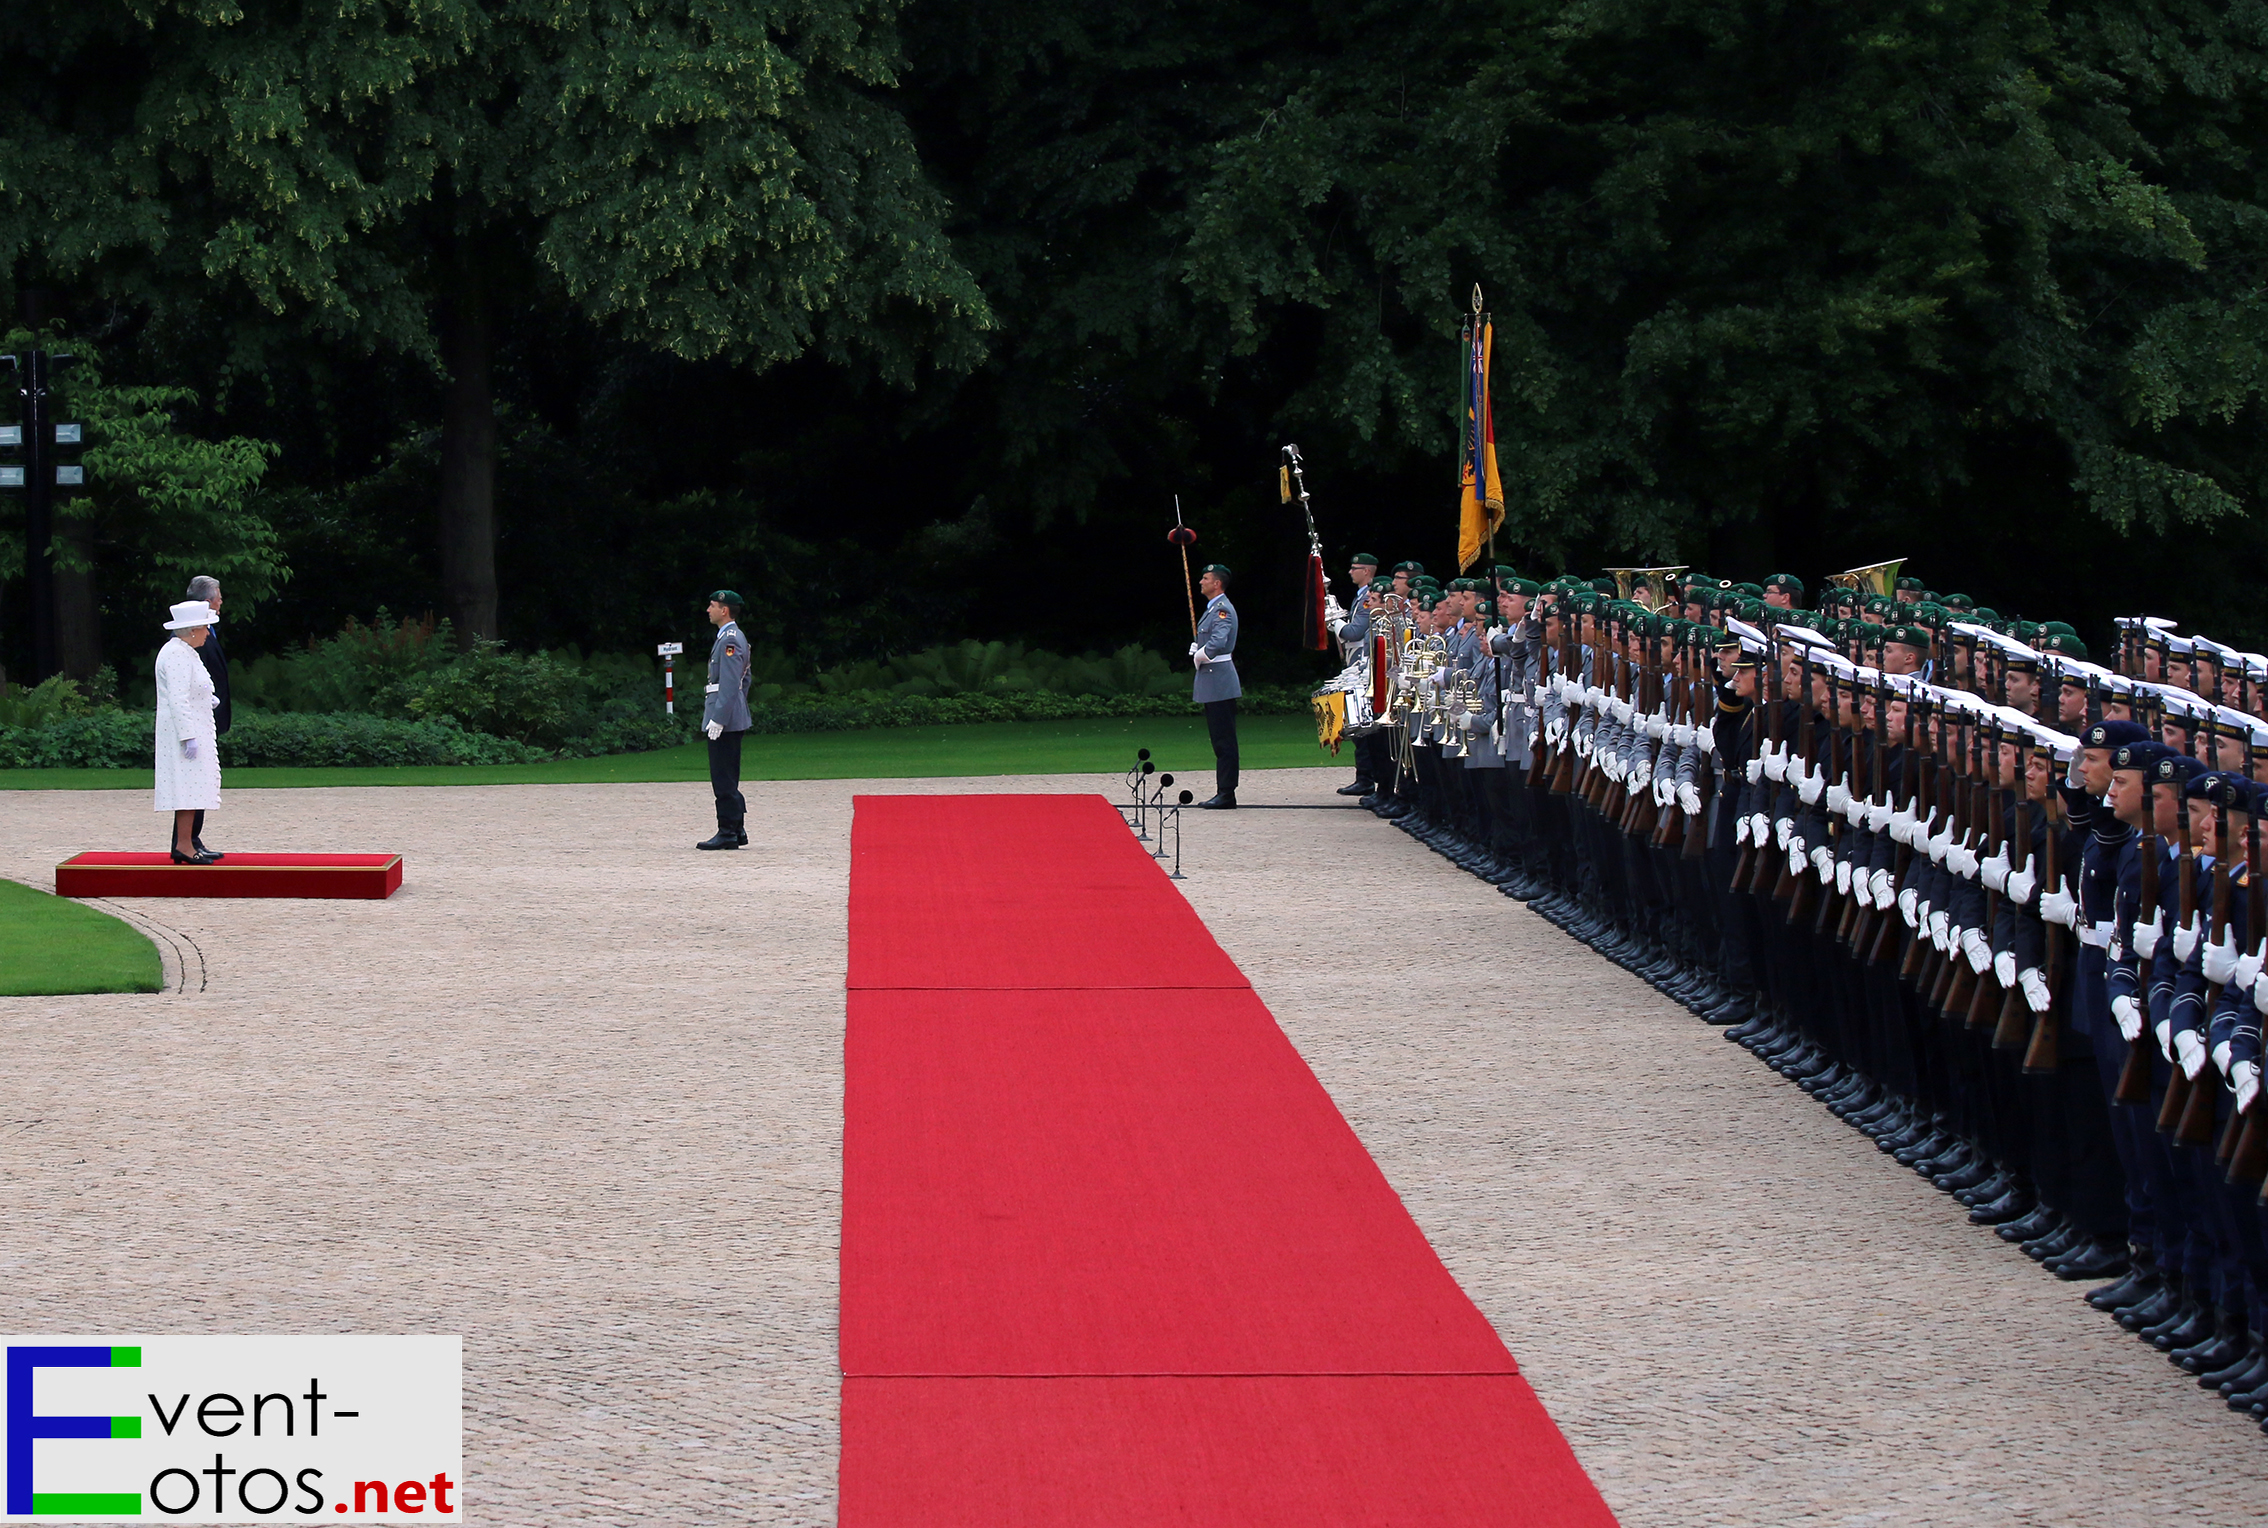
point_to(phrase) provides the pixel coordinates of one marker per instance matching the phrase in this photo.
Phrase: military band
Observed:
(1984, 898)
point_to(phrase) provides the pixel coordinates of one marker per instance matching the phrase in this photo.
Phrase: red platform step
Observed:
(371, 876)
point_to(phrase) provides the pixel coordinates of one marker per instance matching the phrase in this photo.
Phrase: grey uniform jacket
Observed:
(727, 702)
(1216, 634)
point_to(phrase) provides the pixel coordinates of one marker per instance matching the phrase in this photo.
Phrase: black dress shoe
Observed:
(2184, 1311)
(2150, 1312)
(2200, 1325)
(192, 859)
(2240, 1374)
(2041, 1221)
(1225, 802)
(1359, 788)
(742, 835)
(2064, 1238)
(2012, 1205)
(726, 839)
(2140, 1279)
(2093, 1260)
(212, 856)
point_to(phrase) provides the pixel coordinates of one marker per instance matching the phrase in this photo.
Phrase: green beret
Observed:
(1522, 586)
(2068, 647)
(1958, 602)
(1220, 568)
(727, 597)
(1786, 581)
(1911, 636)
(1911, 585)
(2059, 629)
(1362, 560)
(1604, 586)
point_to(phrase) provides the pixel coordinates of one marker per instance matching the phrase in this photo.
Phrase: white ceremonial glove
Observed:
(1203, 657)
(1962, 859)
(2221, 1054)
(1657, 726)
(1705, 738)
(2220, 960)
(1941, 931)
(2184, 940)
(1823, 861)
(2127, 1014)
(1621, 710)
(1194, 649)
(1740, 828)
(1843, 879)
(2190, 1052)
(1878, 815)
(1535, 694)
(2060, 906)
(1643, 773)
(1689, 797)
(1776, 764)
(1681, 735)
(1755, 768)
(2260, 995)
(1909, 908)
(1554, 730)
(2147, 935)
(1979, 952)
(1783, 829)
(1937, 843)
(1839, 800)
(1902, 824)
(2165, 1039)
(2248, 967)
(1811, 786)
(1584, 743)
(1760, 830)
(2021, 884)
(1885, 887)
(2032, 982)
(188, 748)
(715, 730)
(1994, 871)
(2004, 968)
(2246, 1076)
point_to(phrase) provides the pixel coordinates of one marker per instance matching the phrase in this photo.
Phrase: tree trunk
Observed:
(468, 451)
(78, 625)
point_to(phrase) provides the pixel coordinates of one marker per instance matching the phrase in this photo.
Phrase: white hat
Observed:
(192, 613)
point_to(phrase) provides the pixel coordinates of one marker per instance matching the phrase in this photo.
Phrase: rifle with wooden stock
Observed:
(2178, 1082)
(2194, 1125)
(2134, 1077)
(2044, 1054)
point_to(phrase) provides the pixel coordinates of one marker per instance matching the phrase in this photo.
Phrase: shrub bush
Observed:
(126, 740)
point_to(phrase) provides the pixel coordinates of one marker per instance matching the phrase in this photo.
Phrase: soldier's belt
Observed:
(713, 689)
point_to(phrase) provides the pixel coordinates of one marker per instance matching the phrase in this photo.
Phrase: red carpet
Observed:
(1110, 1254)
(354, 876)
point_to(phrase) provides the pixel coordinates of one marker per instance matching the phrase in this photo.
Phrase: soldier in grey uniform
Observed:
(724, 717)
(1216, 689)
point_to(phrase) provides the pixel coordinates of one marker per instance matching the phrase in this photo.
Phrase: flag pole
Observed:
(1181, 536)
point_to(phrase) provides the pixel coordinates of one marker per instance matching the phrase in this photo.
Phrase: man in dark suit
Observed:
(216, 663)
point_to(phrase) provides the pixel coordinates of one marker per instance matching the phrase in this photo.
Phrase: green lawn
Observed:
(1098, 747)
(51, 945)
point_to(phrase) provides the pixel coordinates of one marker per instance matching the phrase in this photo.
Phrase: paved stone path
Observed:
(575, 1092)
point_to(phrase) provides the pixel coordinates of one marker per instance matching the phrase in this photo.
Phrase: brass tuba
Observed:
(1626, 581)
(1875, 578)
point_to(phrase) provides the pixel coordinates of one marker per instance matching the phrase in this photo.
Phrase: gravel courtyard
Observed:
(575, 1093)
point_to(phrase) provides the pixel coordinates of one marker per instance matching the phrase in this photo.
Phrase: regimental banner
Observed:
(232, 1429)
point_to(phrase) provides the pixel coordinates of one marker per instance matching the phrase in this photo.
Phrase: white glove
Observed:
(2190, 1051)
(1791, 841)
(1740, 828)
(1885, 887)
(2021, 884)
(1823, 861)
(2033, 984)
(1839, 800)
(1706, 737)
(1908, 907)
(1195, 649)
(2220, 960)
(2060, 906)
(2246, 1076)
(1994, 871)
(1961, 860)
(1811, 786)
(1843, 880)
(2147, 935)
(1937, 843)
(2128, 1016)
(1980, 953)
(1690, 798)
(1902, 824)
(1783, 829)
(188, 748)
(1657, 727)
(1878, 815)
(2184, 940)
(2165, 1039)
(2221, 1055)
(1940, 929)
(2004, 968)
(1535, 694)
(1681, 735)
(2248, 968)
(1755, 768)
(715, 730)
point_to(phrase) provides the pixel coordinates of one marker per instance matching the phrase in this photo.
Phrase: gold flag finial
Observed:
(1476, 297)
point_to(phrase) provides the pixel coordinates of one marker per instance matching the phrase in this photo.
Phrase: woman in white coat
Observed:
(188, 755)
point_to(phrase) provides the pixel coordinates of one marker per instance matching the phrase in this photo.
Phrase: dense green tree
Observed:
(714, 179)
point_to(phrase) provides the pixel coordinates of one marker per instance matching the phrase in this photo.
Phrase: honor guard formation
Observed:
(1985, 899)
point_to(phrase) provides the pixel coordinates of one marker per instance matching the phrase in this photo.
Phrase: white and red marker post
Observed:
(669, 652)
